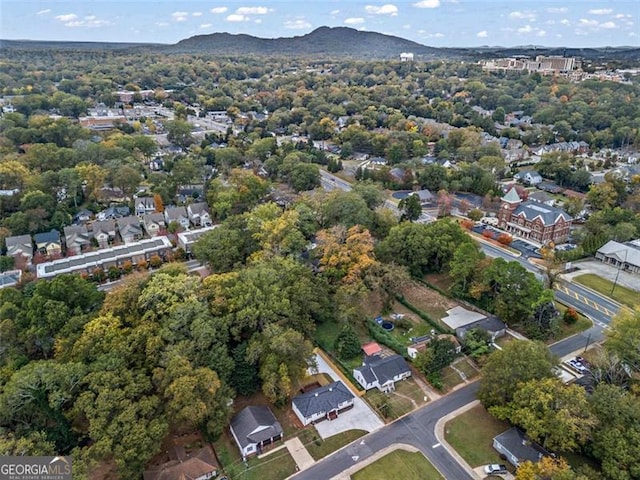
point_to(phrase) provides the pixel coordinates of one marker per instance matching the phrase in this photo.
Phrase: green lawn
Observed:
(471, 434)
(581, 325)
(399, 464)
(388, 406)
(319, 448)
(603, 286)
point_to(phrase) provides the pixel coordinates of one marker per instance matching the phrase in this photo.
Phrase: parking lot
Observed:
(528, 250)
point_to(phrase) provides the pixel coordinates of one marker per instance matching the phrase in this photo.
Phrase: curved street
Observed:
(416, 429)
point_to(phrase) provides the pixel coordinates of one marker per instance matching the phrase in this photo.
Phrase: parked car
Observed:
(495, 469)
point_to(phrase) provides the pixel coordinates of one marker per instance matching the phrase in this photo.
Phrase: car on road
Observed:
(494, 468)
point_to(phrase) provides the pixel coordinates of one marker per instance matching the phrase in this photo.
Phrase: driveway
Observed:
(629, 280)
(360, 417)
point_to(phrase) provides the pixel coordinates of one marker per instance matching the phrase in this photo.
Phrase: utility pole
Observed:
(615, 282)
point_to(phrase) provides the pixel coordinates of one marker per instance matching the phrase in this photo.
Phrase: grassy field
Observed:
(603, 286)
(399, 464)
(319, 448)
(581, 325)
(471, 434)
(388, 406)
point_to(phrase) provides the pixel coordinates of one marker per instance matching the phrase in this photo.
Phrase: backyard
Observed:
(390, 406)
(603, 286)
(399, 464)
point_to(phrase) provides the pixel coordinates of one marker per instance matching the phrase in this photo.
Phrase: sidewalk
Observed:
(440, 425)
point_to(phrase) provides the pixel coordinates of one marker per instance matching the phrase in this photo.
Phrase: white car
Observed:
(495, 469)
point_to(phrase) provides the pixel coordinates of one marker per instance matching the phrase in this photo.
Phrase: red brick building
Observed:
(538, 222)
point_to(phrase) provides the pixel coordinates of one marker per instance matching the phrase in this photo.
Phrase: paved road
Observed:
(191, 265)
(417, 429)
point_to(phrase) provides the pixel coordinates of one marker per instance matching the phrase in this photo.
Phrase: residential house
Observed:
(111, 194)
(625, 256)
(420, 344)
(426, 197)
(199, 214)
(382, 372)
(189, 192)
(199, 465)
(542, 197)
(255, 428)
(153, 223)
(144, 206)
(188, 238)
(517, 448)
(371, 348)
(83, 216)
(105, 258)
(104, 232)
(20, 246)
(529, 177)
(532, 220)
(48, 243)
(10, 278)
(77, 239)
(178, 215)
(460, 320)
(129, 228)
(322, 403)
(113, 213)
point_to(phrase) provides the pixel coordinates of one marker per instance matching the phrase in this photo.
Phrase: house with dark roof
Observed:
(529, 177)
(104, 232)
(130, 228)
(322, 403)
(10, 278)
(426, 197)
(516, 447)
(178, 215)
(83, 216)
(77, 239)
(19, 246)
(382, 372)
(460, 320)
(153, 223)
(532, 220)
(113, 213)
(255, 428)
(48, 243)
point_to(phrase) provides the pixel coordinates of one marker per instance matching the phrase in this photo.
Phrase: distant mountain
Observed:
(337, 41)
(332, 42)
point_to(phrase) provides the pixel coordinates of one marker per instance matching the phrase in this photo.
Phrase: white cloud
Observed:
(162, 24)
(406, 26)
(334, 12)
(427, 4)
(258, 21)
(565, 22)
(482, 34)
(607, 25)
(525, 29)
(387, 9)
(252, 11)
(299, 24)
(541, 33)
(234, 17)
(89, 21)
(179, 16)
(600, 11)
(90, 17)
(196, 14)
(68, 17)
(557, 10)
(205, 25)
(354, 21)
(43, 12)
(219, 10)
(588, 23)
(531, 16)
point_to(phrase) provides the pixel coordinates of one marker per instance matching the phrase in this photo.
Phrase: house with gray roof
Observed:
(144, 205)
(527, 219)
(10, 278)
(178, 215)
(529, 177)
(255, 428)
(153, 223)
(77, 239)
(104, 232)
(382, 372)
(130, 228)
(625, 256)
(426, 197)
(48, 243)
(199, 214)
(516, 447)
(19, 246)
(322, 403)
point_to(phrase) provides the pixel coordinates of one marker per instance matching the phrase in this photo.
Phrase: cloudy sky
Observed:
(575, 23)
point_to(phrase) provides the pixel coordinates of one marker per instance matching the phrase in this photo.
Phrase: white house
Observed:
(382, 372)
(254, 428)
(145, 205)
(199, 214)
(530, 177)
(323, 403)
(178, 215)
